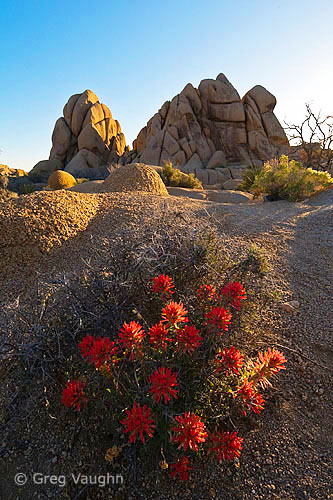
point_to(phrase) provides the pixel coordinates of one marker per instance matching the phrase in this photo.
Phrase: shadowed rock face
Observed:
(86, 125)
(210, 127)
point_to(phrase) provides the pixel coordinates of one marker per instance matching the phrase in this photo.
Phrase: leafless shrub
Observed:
(313, 139)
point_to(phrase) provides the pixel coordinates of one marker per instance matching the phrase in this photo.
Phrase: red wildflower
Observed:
(85, 345)
(218, 318)
(251, 399)
(131, 337)
(73, 394)
(103, 350)
(163, 285)
(138, 420)
(181, 468)
(266, 365)
(163, 381)
(206, 294)
(189, 432)
(226, 445)
(174, 313)
(234, 293)
(188, 339)
(158, 335)
(229, 360)
(98, 351)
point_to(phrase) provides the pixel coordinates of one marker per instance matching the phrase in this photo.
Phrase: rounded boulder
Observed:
(134, 177)
(61, 180)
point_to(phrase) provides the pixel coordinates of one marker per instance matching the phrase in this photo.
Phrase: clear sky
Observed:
(136, 55)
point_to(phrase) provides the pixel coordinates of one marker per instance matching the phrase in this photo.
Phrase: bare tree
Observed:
(314, 139)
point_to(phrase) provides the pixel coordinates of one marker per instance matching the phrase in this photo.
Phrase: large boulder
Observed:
(86, 164)
(43, 169)
(210, 127)
(134, 177)
(87, 124)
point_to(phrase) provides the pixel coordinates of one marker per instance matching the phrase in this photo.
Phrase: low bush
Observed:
(289, 180)
(6, 194)
(100, 308)
(249, 177)
(174, 177)
(178, 385)
(81, 180)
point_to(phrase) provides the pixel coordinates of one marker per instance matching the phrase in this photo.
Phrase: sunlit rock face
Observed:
(87, 125)
(211, 127)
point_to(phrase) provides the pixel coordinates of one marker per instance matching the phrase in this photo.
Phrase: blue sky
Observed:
(136, 55)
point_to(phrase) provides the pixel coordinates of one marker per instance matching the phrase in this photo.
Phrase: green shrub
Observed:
(248, 177)
(289, 180)
(81, 180)
(28, 189)
(174, 177)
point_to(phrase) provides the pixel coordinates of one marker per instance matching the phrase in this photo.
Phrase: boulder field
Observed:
(209, 131)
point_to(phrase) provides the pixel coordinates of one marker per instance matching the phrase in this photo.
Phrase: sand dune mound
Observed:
(31, 225)
(134, 177)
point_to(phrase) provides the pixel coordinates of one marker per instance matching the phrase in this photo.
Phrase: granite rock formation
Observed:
(86, 124)
(211, 127)
(84, 140)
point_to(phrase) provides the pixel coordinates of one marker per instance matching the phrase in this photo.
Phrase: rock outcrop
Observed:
(211, 127)
(86, 124)
(84, 140)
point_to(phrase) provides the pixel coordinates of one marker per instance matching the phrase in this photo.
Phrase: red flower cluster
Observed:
(181, 469)
(158, 335)
(98, 351)
(251, 399)
(188, 339)
(229, 360)
(163, 381)
(234, 293)
(174, 313)
(131, 337)
(189, 432)
(73, 394)
(266, 365)
(206, 294)
(163, 285)
(226, 445)
(138, 420)
(218, 319)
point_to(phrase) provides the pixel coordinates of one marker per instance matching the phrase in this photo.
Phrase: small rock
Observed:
(291, 306)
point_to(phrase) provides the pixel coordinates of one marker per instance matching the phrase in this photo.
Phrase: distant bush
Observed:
(81, 180)
(174, 177)
(28, 188)
(248, 177)
(288, 180)
(6, 194)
